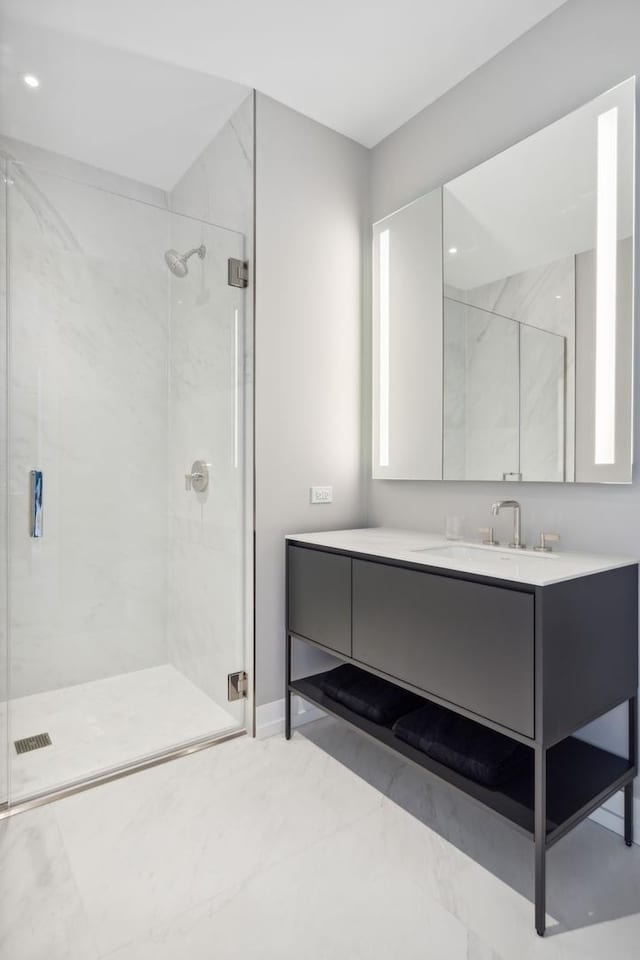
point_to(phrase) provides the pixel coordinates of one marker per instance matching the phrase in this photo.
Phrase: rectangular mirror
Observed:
(525, 369)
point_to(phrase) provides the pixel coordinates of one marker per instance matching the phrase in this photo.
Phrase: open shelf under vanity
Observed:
(580, 777)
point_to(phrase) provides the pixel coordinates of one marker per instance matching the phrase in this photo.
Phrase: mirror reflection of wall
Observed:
(509, 377)
(480, 408)
(546, 447)
(541, 236)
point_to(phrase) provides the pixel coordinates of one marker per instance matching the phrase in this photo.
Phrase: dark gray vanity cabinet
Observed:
(319, 590)
(467, 643)
(535, 663)
(587, 649)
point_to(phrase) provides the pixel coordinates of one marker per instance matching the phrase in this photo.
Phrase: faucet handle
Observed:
(544, 539)
(490, 540)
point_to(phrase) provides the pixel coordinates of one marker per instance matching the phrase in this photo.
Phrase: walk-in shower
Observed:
(123, 600)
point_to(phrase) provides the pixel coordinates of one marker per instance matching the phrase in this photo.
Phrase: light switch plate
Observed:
(321, 495)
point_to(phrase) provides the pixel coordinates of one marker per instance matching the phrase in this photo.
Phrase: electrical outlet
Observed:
(321, 495)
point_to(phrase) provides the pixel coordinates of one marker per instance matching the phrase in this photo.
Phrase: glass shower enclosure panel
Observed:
(4, 663)
(126, 480)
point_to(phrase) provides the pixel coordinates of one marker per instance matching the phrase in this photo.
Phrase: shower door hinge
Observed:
(237, 686)
(238, 273)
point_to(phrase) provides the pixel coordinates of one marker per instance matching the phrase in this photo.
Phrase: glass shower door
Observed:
(4, 718)
(125, 368)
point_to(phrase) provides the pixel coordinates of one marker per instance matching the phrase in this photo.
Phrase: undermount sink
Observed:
(482, 554)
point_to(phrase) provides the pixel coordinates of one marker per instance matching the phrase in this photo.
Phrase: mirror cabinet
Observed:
(503, 312)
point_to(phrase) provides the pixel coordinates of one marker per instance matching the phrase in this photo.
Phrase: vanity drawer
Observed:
(466, 642)
(320, 597)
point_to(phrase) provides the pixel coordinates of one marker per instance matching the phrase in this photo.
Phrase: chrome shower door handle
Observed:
(35, 508)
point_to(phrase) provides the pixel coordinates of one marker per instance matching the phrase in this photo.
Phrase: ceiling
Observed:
(362, 67)
(134, 116)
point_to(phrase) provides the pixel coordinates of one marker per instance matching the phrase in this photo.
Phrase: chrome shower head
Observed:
(177, 262)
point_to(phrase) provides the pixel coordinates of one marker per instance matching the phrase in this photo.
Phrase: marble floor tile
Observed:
(345, 898)
(102, 724)
(327, 847)
(482, 870)
(149, 847)
(478, 950)
(41, 914)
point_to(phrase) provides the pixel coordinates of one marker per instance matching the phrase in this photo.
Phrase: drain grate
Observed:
(32, 743)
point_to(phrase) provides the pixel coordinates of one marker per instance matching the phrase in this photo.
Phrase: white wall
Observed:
(312, 225)
(582, 49)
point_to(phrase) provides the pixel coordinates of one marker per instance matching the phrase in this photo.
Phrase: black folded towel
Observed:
(468, 747)
(424, 726)
(367, 695)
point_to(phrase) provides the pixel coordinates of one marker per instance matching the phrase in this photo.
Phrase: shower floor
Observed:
(106, 723)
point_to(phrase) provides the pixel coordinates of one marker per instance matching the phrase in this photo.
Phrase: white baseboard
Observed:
(270, 716)
(611, 815)
(270, 721)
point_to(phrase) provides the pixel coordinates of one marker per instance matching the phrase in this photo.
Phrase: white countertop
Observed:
(521, 566)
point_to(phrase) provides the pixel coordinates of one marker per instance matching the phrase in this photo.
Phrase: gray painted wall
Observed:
(312, 224)
(583, 48)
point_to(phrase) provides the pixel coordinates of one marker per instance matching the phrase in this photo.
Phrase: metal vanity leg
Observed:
(633, 757)
(628, 814)
(287, 692)
(540, 814)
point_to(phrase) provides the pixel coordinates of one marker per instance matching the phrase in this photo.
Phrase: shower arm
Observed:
(199, 250)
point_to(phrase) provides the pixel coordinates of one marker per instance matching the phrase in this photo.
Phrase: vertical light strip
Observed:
(606, 275)
(560, 428)
(236, 389)
(383, 351)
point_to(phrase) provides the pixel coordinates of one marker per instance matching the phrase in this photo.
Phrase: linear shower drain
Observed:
(32, 743)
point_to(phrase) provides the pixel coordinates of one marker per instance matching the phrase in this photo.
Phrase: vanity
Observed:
(531, 646)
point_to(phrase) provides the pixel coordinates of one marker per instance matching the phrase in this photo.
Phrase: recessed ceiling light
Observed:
(453, 249)
(31, 80)
(558, 296)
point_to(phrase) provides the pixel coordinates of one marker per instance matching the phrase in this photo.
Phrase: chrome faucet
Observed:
(495, 510)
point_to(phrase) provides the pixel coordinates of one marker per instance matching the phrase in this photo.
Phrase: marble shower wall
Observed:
(454, 406)
(480, 394)
(480, 433)
(88, 406)
(543, 426)
(210, 367)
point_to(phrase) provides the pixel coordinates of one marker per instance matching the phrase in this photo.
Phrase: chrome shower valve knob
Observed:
(198, 479)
